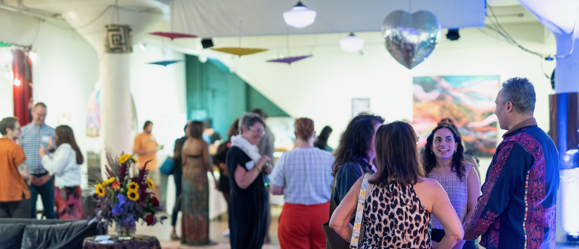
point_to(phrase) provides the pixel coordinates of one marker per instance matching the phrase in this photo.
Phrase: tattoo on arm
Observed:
(23, 170)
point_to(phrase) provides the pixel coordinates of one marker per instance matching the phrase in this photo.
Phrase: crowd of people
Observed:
(376, 190)
(37, 159)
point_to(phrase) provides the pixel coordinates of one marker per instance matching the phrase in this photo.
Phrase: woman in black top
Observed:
(248, 199)
(355, 154)
(220, 160)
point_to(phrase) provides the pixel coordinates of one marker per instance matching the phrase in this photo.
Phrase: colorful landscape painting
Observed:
(467, 100)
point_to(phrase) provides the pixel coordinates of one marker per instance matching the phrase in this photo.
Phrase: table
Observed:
(138, 242)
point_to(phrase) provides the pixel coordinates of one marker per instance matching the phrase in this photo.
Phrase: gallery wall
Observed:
(322, 87)
(66, 71)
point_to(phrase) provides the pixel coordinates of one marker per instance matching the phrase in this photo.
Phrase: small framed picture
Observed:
(360, 105)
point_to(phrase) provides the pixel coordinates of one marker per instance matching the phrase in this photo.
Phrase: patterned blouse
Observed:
(457, 192)
(394, 218)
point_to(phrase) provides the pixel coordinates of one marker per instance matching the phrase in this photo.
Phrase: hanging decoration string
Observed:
(240, 20)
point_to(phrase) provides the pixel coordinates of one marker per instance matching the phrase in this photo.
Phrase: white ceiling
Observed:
(221, 18)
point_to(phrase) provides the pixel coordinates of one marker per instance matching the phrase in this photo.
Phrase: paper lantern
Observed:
(299, 16)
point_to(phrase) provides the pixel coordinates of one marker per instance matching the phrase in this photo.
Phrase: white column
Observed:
(567, 69)
(116, 113)
(114, 69)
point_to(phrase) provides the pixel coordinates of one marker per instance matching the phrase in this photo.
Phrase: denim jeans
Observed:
(177, 208)
(46, 192)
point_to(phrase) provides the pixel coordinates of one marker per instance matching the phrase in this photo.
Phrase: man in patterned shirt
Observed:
(35, 135)
(517, 208)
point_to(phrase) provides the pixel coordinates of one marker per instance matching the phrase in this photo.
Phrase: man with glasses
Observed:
(34, 136)
(14, 194)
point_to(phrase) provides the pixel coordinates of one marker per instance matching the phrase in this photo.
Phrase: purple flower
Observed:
(122, 199)
(118, 210)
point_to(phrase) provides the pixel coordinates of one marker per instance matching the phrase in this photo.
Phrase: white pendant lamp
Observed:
(352, 43)
(299, 16)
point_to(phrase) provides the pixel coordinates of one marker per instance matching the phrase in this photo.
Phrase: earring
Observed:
(432, 152)
(454, 152)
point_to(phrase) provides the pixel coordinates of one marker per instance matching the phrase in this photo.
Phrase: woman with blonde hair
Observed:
(304, 176)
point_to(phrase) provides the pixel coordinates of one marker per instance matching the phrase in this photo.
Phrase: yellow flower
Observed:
(357, 226)
(100, 190)
(360, 207)
(134, 160)
(133, 186)
(150, 183)
(124, 158)
(363, 193)
(109, 181)
(133, 195)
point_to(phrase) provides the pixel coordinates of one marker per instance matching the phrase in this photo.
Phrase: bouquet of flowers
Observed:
(124, 199)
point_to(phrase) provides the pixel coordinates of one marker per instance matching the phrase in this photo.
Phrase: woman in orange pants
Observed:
(304, 176)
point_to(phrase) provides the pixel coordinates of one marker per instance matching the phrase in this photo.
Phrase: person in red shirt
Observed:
(14, 177)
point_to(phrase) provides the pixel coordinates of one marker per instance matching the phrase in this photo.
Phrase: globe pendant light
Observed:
(352, 43)
(299, 16)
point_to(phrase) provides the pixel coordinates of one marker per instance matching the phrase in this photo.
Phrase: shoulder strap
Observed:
(359, 213)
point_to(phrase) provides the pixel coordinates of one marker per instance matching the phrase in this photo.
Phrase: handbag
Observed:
(333, 239)
(167, 167)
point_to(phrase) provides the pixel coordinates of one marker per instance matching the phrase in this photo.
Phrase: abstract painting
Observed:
(467, 100)
(359, 106)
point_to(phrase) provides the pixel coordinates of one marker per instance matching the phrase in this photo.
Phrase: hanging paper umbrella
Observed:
(173, 35)
(290, 60)
(164, 63)
(239, 51)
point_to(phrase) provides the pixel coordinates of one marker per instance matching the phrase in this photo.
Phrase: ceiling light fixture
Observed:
(352, 43)
(299, 16)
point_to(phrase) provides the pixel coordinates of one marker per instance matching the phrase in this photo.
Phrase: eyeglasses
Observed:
(260, 131)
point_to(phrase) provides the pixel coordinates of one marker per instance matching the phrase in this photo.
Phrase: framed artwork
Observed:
(467, 100)
(360, 105)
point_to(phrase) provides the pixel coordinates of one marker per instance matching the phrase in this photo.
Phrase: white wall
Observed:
(66, 71)
(322, 87)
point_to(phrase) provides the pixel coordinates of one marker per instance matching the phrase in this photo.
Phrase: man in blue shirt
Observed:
(35, 135)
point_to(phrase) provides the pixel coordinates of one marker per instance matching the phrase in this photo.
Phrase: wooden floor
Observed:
(216, 229)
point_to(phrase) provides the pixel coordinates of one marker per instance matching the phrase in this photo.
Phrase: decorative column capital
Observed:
(118, 39)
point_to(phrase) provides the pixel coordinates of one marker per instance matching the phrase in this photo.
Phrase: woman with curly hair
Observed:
(355, 155)
(443, 160)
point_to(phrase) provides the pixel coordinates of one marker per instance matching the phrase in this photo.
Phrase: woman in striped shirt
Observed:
(443, 160)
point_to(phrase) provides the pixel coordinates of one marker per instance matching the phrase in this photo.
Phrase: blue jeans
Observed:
(46, 192)
(177, 208)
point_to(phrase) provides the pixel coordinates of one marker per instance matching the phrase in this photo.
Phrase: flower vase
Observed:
(126, 232)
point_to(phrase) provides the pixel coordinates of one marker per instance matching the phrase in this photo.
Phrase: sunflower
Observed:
(124, 158)
(133, 195)
(133, 186)
(100, 190)
(150, 183)
(109, 181)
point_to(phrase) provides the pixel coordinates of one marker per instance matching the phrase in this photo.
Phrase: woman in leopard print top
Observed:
(400, 199)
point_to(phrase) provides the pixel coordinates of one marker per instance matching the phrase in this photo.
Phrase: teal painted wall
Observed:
(213, 92)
